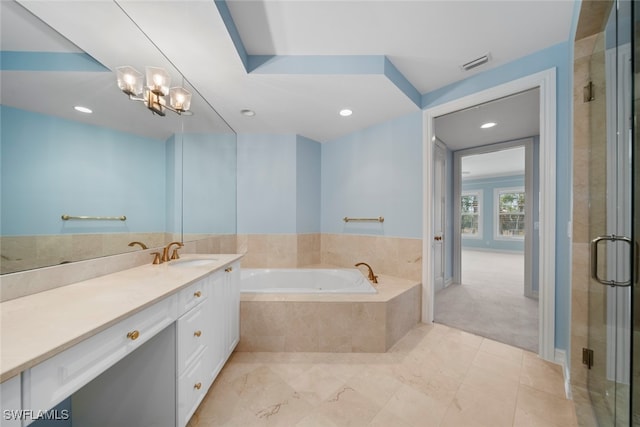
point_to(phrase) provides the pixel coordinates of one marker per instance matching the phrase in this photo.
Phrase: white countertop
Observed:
(36, 327)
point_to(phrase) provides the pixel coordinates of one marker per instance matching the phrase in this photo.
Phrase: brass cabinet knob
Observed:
(197, 294)
(198, 386)
(133, 335)
(228, 269)
(197, 333)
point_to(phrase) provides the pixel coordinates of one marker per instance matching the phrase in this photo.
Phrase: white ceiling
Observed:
(507, 162)
(425, 40)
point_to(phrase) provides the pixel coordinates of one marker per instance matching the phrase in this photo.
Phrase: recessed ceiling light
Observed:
(345, 112)
(82, 109)
(488, 125)
(248, 113)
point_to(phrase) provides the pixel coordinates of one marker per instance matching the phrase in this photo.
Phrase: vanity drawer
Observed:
(193, 334)
(53, 380)
(192, 386)
(192, 295)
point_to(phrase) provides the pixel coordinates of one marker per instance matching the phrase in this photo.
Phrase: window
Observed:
(470, 223)
(510, 204)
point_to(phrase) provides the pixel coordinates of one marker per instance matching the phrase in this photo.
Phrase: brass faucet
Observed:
(142, 245)
(165, 251)
(372, 277)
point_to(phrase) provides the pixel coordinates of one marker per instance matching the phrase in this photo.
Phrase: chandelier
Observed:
(154, 92)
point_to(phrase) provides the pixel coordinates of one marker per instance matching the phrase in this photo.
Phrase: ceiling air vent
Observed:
(476, 62)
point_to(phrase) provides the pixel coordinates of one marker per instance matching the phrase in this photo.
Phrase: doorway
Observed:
(493, 292)
(545, 81)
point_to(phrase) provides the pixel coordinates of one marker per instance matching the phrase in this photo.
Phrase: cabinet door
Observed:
(232, 297)
(11, 403)
(217, 311)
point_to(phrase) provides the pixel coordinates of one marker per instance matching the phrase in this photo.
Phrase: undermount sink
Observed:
(192, 262)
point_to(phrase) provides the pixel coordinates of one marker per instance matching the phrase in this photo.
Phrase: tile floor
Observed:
(434, 376)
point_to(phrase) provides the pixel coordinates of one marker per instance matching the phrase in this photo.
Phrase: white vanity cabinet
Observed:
(152, 364)
(11, 402)
(207, 335)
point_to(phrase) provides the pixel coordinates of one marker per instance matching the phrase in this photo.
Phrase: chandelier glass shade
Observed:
(154, 90)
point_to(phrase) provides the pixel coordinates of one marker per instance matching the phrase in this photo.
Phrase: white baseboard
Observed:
(561, 359)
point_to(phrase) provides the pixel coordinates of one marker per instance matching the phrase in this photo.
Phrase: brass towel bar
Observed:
(379, 219)
(66, 217)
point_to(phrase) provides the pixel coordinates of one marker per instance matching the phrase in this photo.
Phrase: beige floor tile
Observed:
(536, 406)
(416, 408)
(375, 385)
(347, 407)
(316, 385)
(386, 418)
(542, 375)
(498, 366)
(316, 419)
(504, 351)
(437, 377)
(498, 386)
(478, 407)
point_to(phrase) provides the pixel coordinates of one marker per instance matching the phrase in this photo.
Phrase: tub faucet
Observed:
(165, 251)
(142, 245)
(372, 277)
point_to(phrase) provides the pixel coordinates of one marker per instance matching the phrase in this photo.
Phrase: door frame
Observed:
(527, 143)
(546, 82)
(442, 205)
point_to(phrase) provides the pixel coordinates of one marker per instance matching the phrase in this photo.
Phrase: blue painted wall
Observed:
(308, 156)
(123, 174)
(375, 172)
(278, 184)
(209, 174)
(486, 187)
(267, 184)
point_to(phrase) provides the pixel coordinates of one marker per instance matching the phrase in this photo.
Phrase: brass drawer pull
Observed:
(197, 294)
(228, 269)
(198, 386)
(197, 333)
(133, 335)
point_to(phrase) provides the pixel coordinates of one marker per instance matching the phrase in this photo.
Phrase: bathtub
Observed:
(305, 281)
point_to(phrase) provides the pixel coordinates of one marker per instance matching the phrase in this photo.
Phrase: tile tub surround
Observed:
(330, 323)
(393, 256)
(434, 376)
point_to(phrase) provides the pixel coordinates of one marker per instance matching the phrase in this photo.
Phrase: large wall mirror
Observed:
(171, 177)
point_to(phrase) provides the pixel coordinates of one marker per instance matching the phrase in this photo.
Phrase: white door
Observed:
(439, 191)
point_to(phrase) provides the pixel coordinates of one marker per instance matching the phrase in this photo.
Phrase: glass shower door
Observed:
(610, 209)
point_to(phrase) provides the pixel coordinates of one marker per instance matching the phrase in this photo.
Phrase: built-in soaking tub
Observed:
(324, 310)
(305, 280)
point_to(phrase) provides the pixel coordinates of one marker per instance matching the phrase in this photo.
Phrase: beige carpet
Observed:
(490, 302)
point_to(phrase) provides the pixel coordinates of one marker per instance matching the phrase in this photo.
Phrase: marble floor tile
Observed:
(435, 376)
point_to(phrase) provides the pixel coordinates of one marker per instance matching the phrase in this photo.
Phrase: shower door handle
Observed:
(594, 259)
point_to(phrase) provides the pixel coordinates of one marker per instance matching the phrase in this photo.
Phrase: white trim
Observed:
(479, 193)
(546, 81)
(561, 359)
(496, 213)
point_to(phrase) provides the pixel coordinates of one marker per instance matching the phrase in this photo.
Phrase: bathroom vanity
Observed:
(137, 347)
